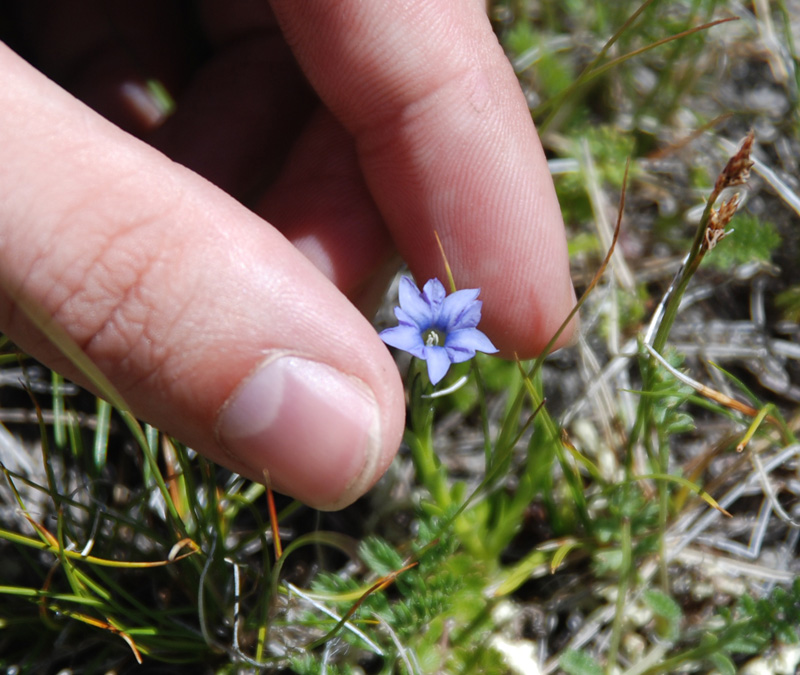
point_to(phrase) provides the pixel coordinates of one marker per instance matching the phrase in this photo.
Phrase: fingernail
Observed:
(314, 429)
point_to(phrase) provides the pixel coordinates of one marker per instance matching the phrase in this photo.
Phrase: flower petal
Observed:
(406, 338)
(461, 310)
(459, 355)
(470, 339)
(405, 320)
(414, 304)
(438, 363)
(434, 292)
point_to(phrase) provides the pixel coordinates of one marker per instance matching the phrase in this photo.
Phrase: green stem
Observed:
(701, 652)
(622, 593)
(427, 466)
(663, 517)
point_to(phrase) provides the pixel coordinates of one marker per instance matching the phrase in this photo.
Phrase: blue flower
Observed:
(436, 327)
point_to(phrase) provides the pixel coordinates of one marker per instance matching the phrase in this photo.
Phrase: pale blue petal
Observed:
(438, 363)
(405, 319)
(414, 303)
(456, 306)
(469, 318)
(434, 292)
(406, 338)
(470, 339)
(464, 311)
(459, 355)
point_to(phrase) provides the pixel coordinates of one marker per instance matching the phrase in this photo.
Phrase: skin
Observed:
(313, 144)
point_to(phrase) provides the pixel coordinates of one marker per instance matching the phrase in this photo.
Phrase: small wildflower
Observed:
(436, 327)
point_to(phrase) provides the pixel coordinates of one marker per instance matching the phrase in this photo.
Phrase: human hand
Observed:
(235, 329)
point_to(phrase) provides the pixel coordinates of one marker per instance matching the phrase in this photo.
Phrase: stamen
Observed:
(433, 337)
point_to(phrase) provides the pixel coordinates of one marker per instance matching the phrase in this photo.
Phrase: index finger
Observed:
(447, 145)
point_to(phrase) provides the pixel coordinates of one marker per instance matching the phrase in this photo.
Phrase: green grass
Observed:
(585, 513)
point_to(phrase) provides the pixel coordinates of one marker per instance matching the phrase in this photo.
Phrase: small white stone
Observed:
(519, 655)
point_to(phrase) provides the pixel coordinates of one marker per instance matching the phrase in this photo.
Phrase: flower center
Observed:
(433, 337)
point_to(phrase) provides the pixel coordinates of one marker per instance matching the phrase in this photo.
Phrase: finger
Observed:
(207, 321)
(322, 205)
(446, 144)
(238, 116)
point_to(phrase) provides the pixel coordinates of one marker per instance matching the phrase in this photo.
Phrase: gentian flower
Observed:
(436, 327)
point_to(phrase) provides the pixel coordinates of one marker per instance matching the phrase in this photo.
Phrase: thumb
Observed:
(208, 323)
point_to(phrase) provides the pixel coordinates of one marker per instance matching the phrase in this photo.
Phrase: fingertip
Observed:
(318, 431)
(527, 319)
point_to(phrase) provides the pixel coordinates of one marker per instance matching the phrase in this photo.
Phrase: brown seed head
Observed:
(717, 222)
(737, 170)
(727, 210)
